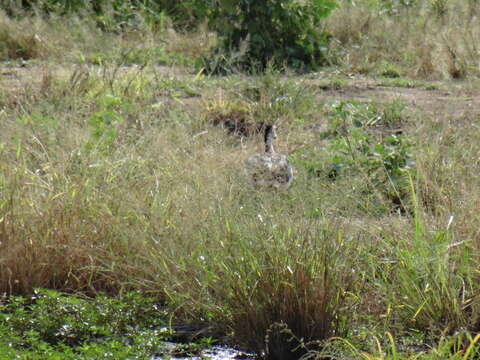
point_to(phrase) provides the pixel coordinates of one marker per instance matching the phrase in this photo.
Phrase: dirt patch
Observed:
(453, 99)
(450, 100)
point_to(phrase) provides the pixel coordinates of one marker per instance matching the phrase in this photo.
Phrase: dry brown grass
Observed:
(20, 39)
(304, 300)
(417, 39)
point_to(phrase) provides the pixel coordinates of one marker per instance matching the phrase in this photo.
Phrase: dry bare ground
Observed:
(449, 99)
(458, 98)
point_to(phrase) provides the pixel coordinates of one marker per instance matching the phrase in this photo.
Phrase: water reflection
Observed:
(217, 352)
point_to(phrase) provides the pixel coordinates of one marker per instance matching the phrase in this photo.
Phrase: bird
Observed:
(269, 170)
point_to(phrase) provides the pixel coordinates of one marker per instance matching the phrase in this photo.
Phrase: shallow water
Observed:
(217, 352)
(224, 353)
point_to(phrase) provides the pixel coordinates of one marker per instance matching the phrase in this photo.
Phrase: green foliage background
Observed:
(282, 32)
(251, 33)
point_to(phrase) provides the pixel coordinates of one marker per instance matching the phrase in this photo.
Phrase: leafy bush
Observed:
(104, 124)
(364, 140)
(254, 33)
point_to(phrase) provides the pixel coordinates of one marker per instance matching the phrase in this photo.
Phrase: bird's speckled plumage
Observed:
(269, 169)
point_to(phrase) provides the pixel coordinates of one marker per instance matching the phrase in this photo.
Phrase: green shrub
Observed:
(361, 139)
(255, 33)
(104, 124)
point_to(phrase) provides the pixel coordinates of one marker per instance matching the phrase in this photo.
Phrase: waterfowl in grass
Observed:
(269, 169)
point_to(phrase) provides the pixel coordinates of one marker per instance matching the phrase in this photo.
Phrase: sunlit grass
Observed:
(115, 177)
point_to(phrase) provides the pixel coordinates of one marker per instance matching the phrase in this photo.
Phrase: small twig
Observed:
(200, 133)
